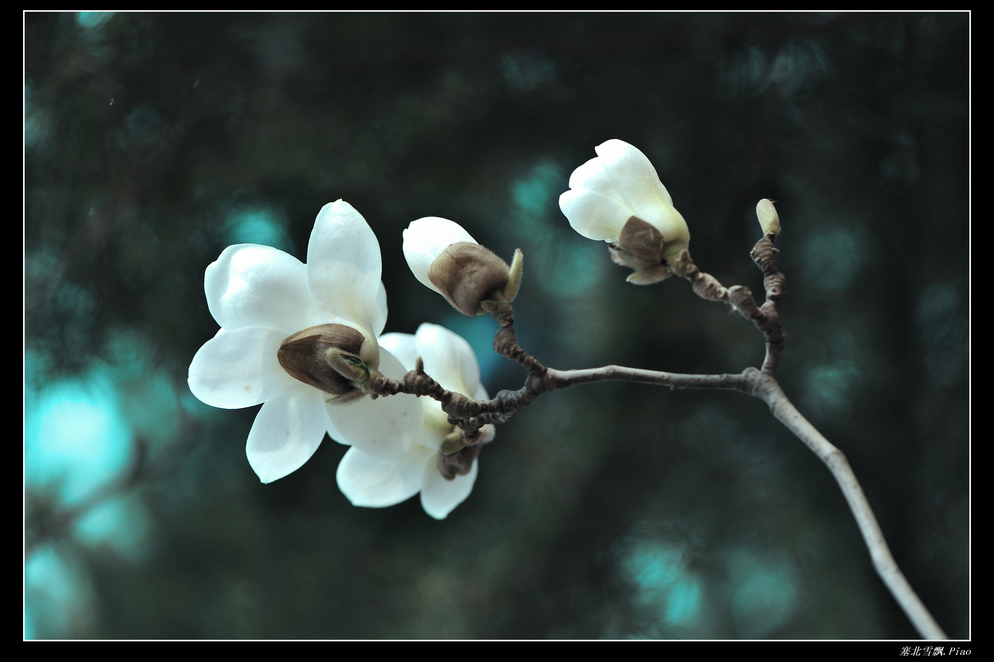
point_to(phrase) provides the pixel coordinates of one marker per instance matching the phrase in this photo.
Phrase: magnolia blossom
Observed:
(378, 482)
(262, 298)
(445, 258)
(617, 197)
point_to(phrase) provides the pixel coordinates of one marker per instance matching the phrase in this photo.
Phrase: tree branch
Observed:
(472, 415)
(784, 411)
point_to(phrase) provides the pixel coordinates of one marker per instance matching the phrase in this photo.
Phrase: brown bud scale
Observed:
(466, 274)
(302, 355)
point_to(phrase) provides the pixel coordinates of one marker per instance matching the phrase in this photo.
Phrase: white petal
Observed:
(448, 359)
(252, 285)
(593, 215)
(375, 482)
(380, 311)
(239, 368)
(425, 239)
(386, 427)
(635, 178)
(435, 426)
(402, 346)
(439, 496)
(668, 221)
(343, 269)
(591, 176)
(286, 432)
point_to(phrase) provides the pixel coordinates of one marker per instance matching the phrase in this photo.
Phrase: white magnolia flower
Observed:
(617, 197)
(445, 258)
(261, 296)
(377, 482)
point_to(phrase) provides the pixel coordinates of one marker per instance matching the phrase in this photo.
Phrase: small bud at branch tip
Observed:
(769, 220)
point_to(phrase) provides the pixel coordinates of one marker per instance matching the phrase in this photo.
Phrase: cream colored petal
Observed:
(238, 368)
(374, 482)
(402, 346)
(343, 269)
(435, 426)
(439, 497)
(252, 285)
(386, 427)
(425, 239)
(448, 358)
(668, 221)
(593, 215)
(380, 311)
(591, 176)
(635, 179)
(286, 432)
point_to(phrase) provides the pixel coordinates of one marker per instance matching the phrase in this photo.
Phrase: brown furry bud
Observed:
(466, 274)
(640, 247)
(311, 356)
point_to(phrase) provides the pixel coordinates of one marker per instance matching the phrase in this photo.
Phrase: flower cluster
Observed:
(273, 312)
(368, 480)
(304, 340)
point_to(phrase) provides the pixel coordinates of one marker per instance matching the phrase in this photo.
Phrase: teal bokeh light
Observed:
(565, 263)
(832, 258)
(76, 438)
(58, 596)
(764, 593)
(258, 225)
(666, 589)
(829, 389)
(93, 19)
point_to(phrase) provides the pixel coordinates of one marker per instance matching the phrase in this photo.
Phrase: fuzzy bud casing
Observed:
(329, 357)
(466, 273)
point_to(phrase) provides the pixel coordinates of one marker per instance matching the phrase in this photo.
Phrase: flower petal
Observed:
(238, 368)
(252, 285)
(592, 177)
(448, 358)
(402, 346)
(594, 215)
(386, 427)
(439, 496)
(668, 221)
(343, 269)
(425, 239)
(375, 482)
(633, 174)
(286, 432)
(380, 311)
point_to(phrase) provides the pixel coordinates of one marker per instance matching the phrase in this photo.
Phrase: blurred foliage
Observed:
(152, 141)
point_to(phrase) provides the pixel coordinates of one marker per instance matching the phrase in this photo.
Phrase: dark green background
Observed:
(152, 141)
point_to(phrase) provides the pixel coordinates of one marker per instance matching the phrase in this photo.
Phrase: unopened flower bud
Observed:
(769, 220)
(331, 357)
(617, 197)
(443, 256)
(453, 442)
(466, 274)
